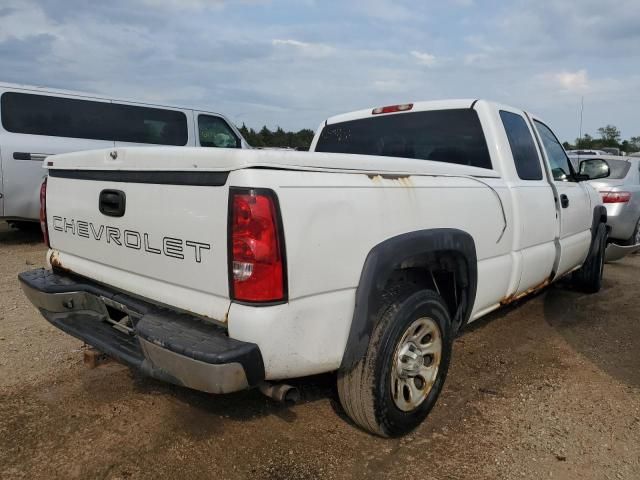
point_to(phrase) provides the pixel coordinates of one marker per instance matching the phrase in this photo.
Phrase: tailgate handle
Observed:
(112, 203)
(30, 156)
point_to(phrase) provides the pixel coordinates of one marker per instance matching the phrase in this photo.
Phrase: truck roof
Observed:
(416, 107)
(419, 106)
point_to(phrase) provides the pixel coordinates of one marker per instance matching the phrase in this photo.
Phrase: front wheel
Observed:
(589, 276)
(393, 388)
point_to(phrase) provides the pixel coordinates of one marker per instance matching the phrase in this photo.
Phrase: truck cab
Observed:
(551, 215)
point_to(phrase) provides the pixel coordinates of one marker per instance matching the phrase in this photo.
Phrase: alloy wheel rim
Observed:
(416, 361)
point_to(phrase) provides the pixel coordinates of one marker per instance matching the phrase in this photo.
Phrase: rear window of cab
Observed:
(450, 136)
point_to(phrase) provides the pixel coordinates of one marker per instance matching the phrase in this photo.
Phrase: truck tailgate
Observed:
(169, 243)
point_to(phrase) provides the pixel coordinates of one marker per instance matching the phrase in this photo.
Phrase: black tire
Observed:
(589, 277)
(24, 226)
(365, 391)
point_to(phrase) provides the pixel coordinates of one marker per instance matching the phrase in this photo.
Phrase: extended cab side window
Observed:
(214, 132)
(523, 149)
(558, 160)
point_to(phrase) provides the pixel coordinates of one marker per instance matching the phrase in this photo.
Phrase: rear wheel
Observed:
(392, 389)
(589, 276)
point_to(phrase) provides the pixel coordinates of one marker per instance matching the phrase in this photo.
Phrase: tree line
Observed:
(300, 140)
(608, 137)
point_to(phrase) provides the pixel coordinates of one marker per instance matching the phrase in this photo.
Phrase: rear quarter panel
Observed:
(331, 223)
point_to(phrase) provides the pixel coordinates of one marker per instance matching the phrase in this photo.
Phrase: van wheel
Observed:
(393, 388)
(589, 276)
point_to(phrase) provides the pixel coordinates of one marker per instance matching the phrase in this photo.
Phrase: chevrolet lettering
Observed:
(169, 246)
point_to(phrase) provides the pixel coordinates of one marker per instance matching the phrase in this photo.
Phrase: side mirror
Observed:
(594, 168)
(559, 174)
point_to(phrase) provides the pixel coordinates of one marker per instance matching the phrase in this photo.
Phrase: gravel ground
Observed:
(549, 388)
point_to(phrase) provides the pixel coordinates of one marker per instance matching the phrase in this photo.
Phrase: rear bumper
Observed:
(622, 221)
(162, 343)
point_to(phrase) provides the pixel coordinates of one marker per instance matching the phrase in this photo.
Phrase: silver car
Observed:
(618, 181)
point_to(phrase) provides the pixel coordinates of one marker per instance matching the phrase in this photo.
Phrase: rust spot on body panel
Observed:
(512, 298)
(54, 259)
(396, 179)
(56, 264)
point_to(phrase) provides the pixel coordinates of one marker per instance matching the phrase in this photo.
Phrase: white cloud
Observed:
(13, 23)
(574, 82)
(293, 43)
(424, 58)
(306, 48)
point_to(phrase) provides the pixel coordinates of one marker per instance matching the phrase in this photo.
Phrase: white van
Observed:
(37, 122)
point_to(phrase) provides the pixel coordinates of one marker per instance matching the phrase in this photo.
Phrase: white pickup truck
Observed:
(222, 270)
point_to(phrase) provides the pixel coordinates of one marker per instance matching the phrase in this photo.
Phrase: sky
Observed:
(293, 63)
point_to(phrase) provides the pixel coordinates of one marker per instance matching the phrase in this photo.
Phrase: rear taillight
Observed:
(392, 108)
(43, 212)
(256, 247)
(615, 197)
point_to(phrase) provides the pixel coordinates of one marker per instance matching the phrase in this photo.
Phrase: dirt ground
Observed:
(546, 389)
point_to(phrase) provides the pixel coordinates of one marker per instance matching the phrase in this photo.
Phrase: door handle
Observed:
(564, 201)
(112, 203)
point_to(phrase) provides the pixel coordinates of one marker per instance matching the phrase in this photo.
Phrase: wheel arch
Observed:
(599, 216)
(413, 254)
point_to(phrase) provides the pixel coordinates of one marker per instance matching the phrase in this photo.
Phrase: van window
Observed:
(55, 116)
(523, 149)
(452, 136)
(215, 132)
(132, 123)
(75, 118)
